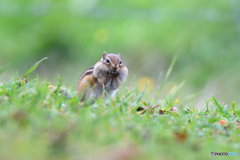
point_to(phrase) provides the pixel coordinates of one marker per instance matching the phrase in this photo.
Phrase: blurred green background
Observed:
(205, 35)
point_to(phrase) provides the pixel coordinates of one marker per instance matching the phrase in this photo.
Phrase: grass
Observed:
(39, 122)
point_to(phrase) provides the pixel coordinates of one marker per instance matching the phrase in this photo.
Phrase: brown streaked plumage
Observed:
(109, 72)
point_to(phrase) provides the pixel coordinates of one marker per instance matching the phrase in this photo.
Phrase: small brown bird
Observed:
(108, 73)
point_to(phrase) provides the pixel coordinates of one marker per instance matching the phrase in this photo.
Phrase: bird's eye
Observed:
(107, 60)
(120, 62)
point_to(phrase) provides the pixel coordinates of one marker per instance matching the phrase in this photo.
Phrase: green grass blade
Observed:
(166, 77)
(4, 68)
(128, 96)
(174, 91)
(220, 107)
(233, 105)
(33, 67)
(191, 96)
(207, 104)
(142, 93)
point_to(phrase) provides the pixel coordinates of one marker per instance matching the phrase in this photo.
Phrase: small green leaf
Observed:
(145, 104)
(33, 67)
